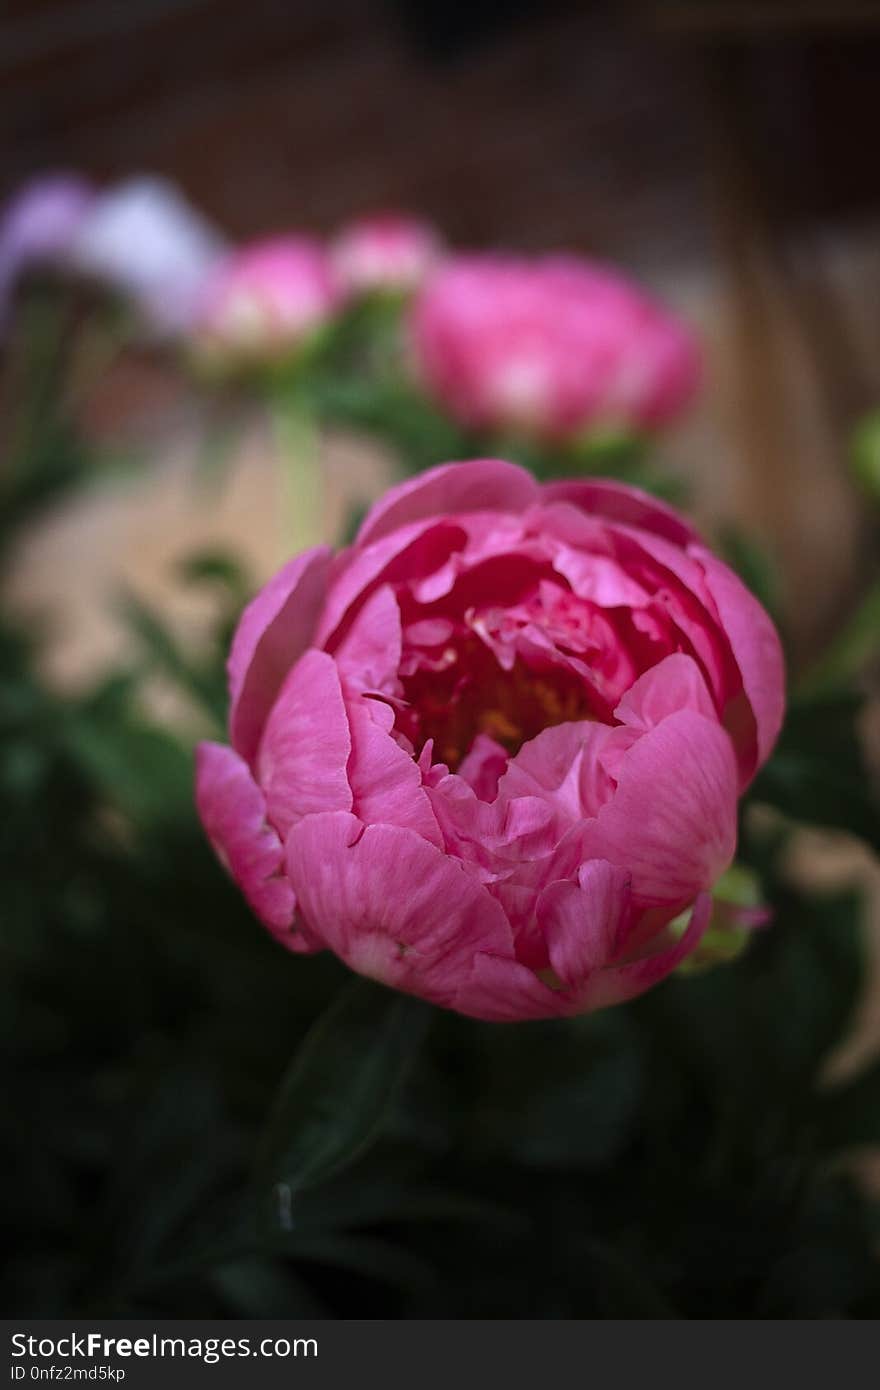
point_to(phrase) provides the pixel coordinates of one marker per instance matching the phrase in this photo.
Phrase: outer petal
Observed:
(584, 922)
(621, 503)
(502, 990)
(303, 758)
(622, 982)
(755, 644)
(476, 486)
(233, 812)
(391, 905)
(672, 819)
(275, 628)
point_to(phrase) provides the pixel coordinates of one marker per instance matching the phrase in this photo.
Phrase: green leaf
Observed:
(817, 773)
(217, 568)
(164, 654)
(139, 769)
(364, 1255)
(338, 1090)
(584, 1110)
(624, 1290)
(812, 959)
(257, 1287)
(865, 455)
(851, 652)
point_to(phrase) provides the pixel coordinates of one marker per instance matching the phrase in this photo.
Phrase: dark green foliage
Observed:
(817, 773)
(41, 452)
(675, 1158)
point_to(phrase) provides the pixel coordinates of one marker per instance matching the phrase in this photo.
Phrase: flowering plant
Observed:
(493, 751)
(495, 754)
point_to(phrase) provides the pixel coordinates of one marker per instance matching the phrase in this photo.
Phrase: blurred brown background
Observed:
(722, 151)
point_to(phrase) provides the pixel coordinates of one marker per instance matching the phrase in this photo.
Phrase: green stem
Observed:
(296, 437)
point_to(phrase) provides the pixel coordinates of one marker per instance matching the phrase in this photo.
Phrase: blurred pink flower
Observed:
(557, 347)
(386, 252)
(144, 240)
(491, 753)
(39, 225)
(265, 301)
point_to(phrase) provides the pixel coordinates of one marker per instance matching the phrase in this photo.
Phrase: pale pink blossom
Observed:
(556, 347)
(491, 753)
(265, 302)
(387, 252)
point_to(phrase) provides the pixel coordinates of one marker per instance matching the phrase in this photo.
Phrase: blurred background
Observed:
(720, 151)
(716, 149)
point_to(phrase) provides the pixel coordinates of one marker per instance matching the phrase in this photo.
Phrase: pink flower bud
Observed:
(388, 252)
(264, 302)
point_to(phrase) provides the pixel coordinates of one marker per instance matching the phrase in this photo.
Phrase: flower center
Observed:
(508, 671)
(473, 694)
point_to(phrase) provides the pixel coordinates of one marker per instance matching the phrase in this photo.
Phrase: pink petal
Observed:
(583, 922)
(391, 905)
(413, 552)
(274, 630)
(674, 683)
(482, 767)
(233, 812)
(755, 644)
(502, 990)
(386, 783)
(672, 819)
(621, 982)
(303, 757)
(622, 503)
(469, 825)
(369, 654)
(452, 488)
(562, 764)
(682, 591)
(598, 578)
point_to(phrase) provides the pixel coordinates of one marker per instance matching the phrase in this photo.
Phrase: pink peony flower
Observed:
(557, 347)
(39, 225)
(386, 252)
(265, 301)
(490, 754)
